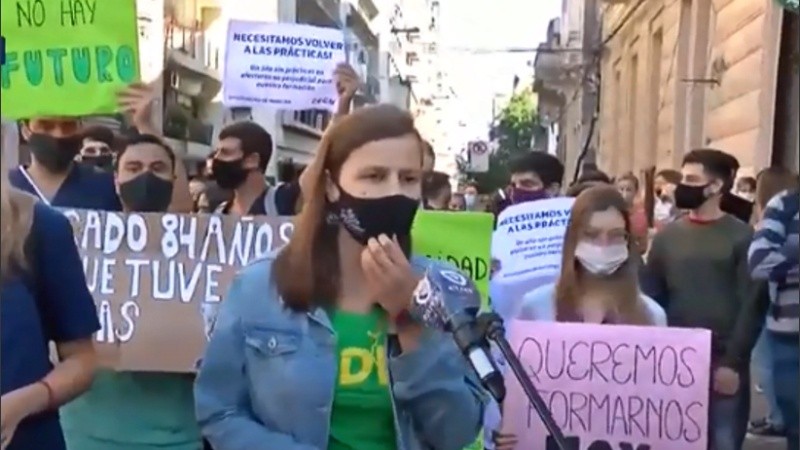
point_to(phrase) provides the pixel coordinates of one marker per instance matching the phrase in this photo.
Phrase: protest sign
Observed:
(612, 387)
(527, 245)
(66, 57)
(282, 65)
(158, 280)
(462, 239)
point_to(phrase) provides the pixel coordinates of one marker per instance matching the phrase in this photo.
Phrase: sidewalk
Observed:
(759, 443)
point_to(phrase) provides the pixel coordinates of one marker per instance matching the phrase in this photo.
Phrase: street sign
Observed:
(478, 152)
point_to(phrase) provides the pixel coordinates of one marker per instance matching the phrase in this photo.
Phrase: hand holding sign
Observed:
(347, 82)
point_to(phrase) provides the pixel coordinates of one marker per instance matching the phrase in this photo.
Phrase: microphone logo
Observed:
(454, 277)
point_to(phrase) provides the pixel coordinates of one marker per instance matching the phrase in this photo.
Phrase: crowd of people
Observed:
(707, 252)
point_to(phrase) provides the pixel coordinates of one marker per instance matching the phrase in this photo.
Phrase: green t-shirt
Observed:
(133, 411)
(362, 416)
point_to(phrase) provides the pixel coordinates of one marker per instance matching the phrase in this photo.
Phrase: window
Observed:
(411, 58)
(241, 113)
(314, 118)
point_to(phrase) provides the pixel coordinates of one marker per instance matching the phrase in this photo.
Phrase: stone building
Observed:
(683, 74)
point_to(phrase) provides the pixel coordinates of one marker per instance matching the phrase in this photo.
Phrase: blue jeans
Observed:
(728, 416)
(785, 351)
(762, 371)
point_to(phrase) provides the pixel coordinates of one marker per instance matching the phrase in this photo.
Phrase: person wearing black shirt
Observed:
(239, 163)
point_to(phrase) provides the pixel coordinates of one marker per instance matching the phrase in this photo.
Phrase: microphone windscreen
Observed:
(442, 294)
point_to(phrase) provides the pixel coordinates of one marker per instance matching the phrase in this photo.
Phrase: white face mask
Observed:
(601, 260)
(469, 200)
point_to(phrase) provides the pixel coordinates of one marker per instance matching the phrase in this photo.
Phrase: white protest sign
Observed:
(527, 243)
(282, 65)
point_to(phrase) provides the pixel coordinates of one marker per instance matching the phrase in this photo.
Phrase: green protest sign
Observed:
(463, 239)
(67, 57)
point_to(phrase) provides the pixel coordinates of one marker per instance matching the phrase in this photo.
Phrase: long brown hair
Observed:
(769, 182)
(306, 271)
(622, 285)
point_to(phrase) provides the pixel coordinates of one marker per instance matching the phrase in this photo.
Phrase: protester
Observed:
(733, 204)
(598, 280)
(436, 191)
(471, 196)
(628, 187)
(44, 300)
(136, 410)
(773, 256)
(145, 174)
(704, 256)
(55, 179)
(457, 202)
(533, 176)
(746, 188)
(664, 184)
(243, 154)
(597, 176)
(338, 291)
(97, 148)
(770, 182)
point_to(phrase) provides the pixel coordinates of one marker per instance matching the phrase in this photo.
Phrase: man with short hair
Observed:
(96, 151)
(535, 175)
(239, 164)
(53, 176)
(697, 270)
(145, 174)
(436, 191)
(126, 410)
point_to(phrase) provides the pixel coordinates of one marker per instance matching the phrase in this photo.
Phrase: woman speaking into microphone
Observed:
(313, 348)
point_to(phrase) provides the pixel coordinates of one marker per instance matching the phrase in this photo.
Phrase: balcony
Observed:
(321, 13)
(309, 122)
(193, 57)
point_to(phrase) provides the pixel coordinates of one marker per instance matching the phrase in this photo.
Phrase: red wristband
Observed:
(51, 398)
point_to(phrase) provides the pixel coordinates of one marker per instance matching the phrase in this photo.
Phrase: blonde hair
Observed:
(16, 210)
(622, 286)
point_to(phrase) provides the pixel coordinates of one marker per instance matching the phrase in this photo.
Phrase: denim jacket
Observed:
(268, 376)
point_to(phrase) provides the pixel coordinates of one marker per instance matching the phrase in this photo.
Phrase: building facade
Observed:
(416, 49)
(193, 36)
(684, 74)
(566, 80)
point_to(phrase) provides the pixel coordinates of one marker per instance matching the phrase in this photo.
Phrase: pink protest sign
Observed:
(612, 387)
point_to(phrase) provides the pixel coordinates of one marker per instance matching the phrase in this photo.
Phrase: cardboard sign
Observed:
(612, 387)
(462, 239)
(66, 57)
(158, 279)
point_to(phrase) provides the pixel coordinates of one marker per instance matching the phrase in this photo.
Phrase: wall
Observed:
(704, 76)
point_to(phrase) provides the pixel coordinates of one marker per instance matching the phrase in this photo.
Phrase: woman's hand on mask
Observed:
(389, 274)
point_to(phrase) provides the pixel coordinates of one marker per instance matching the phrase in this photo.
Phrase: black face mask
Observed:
(146, 193)
(103, 162)
(55, 154)
(690, 197)
(366, 218)
(228, 174)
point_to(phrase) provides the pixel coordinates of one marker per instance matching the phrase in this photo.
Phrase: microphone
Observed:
(447, 300)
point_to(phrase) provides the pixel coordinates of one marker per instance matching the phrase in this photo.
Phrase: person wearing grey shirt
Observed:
(697, 270)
